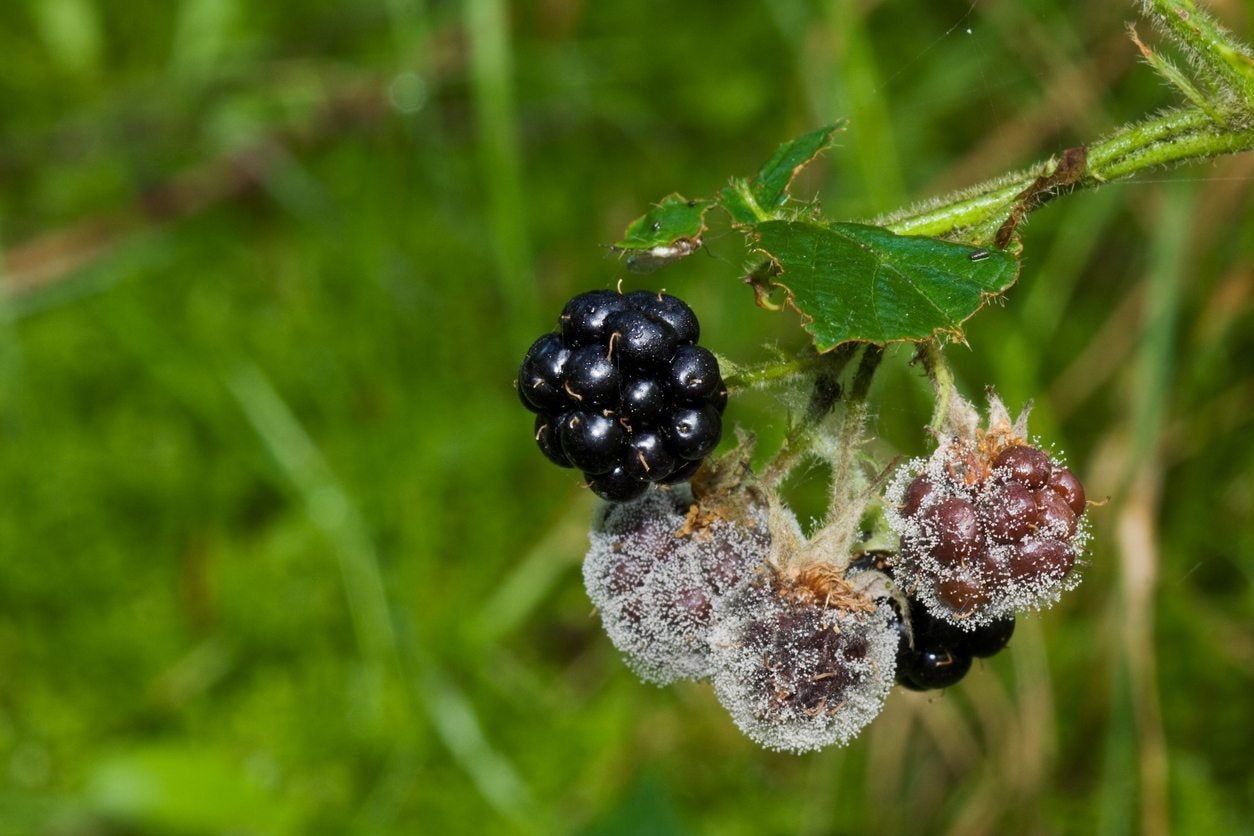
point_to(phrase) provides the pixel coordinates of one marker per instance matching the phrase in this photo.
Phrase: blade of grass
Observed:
(500, 159)
(331, 510)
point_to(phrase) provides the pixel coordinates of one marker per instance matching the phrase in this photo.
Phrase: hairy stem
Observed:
(942, 377)
(1177, 136)
(778, 371)
(823, 399)
(834, 542)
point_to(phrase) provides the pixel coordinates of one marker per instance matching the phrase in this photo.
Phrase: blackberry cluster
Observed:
(982, 539)
(623, 392)
(656, 584)
(941, 653)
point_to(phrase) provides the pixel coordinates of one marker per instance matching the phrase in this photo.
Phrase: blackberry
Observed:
(648, 459)
(937, 658)
(694, 374)
(623, 392)
(644, 402)
(989, 526)
(583, 318)
(933, 668)
(657, 585)
(640, 340)
(618, 484)
(541, 376)
(796, 674)
(593, 380)
(941, 654)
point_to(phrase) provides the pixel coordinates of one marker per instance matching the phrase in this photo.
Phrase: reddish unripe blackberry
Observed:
(1053, 514)
(657, 581)
(987, 528)
(962, 594)
(918, 494)
(623, 392)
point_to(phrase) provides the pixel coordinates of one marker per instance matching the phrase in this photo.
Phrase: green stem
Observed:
(942, 377)
(1176, 136)
(823, 400)
(779, 371)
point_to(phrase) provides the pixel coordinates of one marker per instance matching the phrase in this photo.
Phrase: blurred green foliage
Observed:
(277, 555)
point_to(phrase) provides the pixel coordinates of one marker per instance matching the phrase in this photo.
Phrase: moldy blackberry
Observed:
(623, 393)
(989, 525)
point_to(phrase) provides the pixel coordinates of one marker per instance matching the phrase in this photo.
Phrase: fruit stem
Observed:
(834, 542)
(942, 377)
(824, 396)
(773, 372)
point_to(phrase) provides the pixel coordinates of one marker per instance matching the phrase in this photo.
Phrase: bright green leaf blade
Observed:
(737, 198)
(668, 232)
(852, 282)
(760, 198)
(770, 187)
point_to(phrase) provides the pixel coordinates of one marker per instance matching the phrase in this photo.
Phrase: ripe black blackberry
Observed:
(623, 392)
(941, 654)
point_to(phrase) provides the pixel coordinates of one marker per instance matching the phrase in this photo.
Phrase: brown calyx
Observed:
(971, 462)
(821, 584)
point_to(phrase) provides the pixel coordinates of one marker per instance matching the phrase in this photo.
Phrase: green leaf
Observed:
(759, 199)
(666, 233)
(853, 282)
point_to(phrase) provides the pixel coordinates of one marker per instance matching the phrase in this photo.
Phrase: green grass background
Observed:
(277, 553)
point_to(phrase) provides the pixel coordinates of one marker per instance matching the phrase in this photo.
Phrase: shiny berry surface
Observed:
(622, 392)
